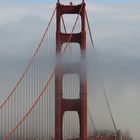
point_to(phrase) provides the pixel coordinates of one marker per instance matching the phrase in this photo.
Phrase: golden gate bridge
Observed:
(50, 99)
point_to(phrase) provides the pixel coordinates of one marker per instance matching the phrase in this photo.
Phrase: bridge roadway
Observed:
(98, 138)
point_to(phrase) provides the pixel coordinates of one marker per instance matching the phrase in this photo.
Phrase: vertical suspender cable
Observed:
(44, 89)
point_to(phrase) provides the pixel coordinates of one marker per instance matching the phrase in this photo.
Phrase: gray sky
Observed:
(116, 36)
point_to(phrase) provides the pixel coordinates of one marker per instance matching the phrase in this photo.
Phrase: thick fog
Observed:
(115, 29)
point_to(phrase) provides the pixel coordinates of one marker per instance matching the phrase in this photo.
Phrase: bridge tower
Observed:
(61, 104)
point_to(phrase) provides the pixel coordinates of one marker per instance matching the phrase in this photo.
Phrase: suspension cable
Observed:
(104, 90)
(46, 86)
(91, 119)
(29, 64)
(88, 108)
(93, 124)
(64, 24)
(90, 116)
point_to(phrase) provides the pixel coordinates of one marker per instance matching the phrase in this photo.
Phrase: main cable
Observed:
(104, 90)
(92, 120)
(29, 64)
(46, 86)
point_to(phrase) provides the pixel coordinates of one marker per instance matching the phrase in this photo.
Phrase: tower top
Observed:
(58, 1)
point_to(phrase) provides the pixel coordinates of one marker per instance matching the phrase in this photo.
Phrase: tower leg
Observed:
(61, 104)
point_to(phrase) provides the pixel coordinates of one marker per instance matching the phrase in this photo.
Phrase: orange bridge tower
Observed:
(62, 104)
